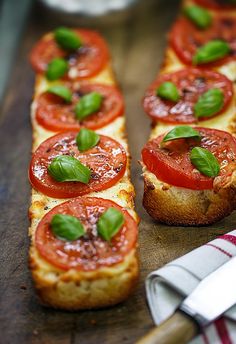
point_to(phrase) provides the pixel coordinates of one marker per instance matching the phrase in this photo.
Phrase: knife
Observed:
(214, 295)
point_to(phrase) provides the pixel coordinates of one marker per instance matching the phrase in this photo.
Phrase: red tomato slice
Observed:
(54, 114)
(89, 252)
(191, 83)
(215, 4)
(186, 38)
(107, 162)
(87, 60)
(173, 166)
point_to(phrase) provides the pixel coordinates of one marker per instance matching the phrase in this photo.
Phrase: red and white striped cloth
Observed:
(168, 286)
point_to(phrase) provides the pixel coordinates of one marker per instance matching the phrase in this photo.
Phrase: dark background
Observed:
(137, 45)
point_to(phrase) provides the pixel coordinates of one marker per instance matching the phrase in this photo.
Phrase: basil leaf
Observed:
(65, 168)
(211, 51)
(168, 90)
(67, 39)
(61, 91)
(199, 16)
(205, 161)
(87, 139)
(109, 223)
(67, 227)
(209, 103)
(88, 104)
(56, 69)
(181, 132)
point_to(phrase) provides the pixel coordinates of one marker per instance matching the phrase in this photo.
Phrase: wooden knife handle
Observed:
(178, 329)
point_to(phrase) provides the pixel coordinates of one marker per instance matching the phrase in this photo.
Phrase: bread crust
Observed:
(185, 207)
(77, 290)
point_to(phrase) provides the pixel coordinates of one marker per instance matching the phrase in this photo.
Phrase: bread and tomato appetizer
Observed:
(84, 254)
(203, 36)
(189, 162)
(190, 176)
(83, 224)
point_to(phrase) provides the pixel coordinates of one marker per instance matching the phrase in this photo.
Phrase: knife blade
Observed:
(214, 295)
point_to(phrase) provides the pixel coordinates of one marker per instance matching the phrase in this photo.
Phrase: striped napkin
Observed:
(168, 286)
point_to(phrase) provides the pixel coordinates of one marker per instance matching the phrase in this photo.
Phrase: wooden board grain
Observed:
(137, 45)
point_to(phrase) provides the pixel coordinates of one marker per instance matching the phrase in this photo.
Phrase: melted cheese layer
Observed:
(122, 192)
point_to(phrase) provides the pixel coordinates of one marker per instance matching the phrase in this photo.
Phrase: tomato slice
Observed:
(216, 4)
(87, 61)
(173, 166)
(54, 114)
(186, 38)
(191, 83)
(107, 162)
(89, 252)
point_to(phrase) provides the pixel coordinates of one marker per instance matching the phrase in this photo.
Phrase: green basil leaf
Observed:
(181, 132)
(109, 223)
(65, 168)
(168, 90)
(87, 139)
(209, 103)
(56, 69)
(205, 161)
(67, 227)
(199, 16)
(88, 104)
(211, 51)
(61, 91)
(67, 39)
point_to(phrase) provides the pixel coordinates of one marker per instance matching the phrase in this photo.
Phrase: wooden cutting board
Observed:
(137, 46)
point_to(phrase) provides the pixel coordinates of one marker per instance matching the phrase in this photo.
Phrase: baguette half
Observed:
(181, 206)
(73, 289)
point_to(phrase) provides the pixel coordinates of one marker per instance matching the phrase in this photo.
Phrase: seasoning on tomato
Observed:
(106, 163)
(87, 58)
(191, 84)
(216, 44)
(217, 4)
(54, 113)
(172, 163)
(90, 251)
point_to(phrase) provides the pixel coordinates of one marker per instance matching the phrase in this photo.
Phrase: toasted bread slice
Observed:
(75, 290)
(181, 206)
